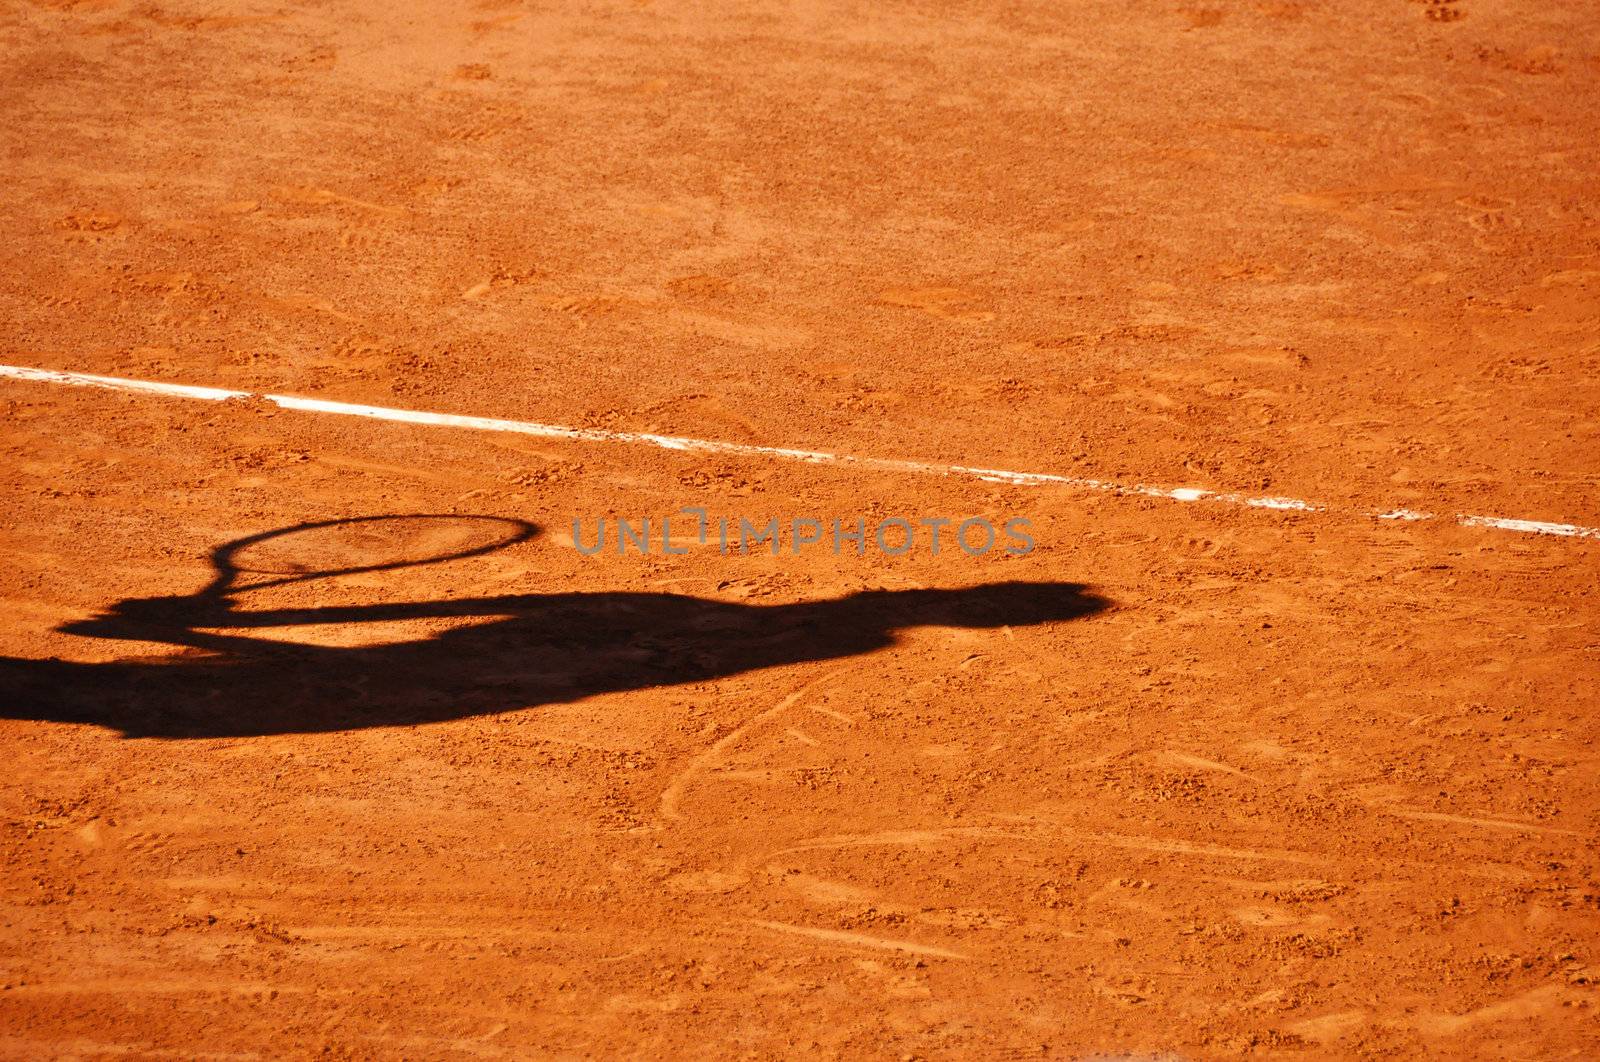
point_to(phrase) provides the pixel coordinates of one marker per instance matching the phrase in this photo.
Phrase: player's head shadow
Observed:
(510, 651)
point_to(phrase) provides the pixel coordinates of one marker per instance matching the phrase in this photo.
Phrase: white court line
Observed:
(709, 446)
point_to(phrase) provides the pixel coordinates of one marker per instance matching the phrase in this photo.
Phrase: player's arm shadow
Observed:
(525, 650)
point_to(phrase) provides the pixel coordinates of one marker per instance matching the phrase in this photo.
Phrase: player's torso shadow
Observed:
(507, 653)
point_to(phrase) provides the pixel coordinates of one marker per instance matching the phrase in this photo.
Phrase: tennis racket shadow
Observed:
(525, 650)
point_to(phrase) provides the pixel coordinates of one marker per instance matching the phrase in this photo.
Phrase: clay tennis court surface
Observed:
(1190, 779)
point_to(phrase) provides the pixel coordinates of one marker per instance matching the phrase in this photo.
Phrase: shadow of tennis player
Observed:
(528, 649)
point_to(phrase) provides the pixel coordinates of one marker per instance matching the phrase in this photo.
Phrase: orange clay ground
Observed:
(1217, 780)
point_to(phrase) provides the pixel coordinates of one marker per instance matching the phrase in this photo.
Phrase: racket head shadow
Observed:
(325, 549)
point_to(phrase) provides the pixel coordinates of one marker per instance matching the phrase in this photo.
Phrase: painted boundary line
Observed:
(708, 446)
